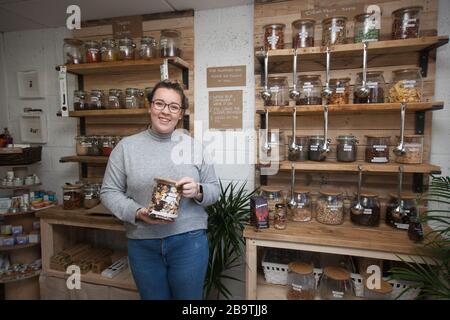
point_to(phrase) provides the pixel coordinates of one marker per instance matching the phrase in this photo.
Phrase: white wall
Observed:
(3, 100)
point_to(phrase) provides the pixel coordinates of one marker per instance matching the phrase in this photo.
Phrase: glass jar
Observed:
(341, 91)
(335, 283)
(409, 204)
(376, 84)
(413, 149)
(72, 196)
(315, 142)
(302, 211)
(83, 144)
(126, 49)
(330, 208)
(73, 51)
(108, 145)
(406, 86)
(274, 36)
(406, 23)
(382, 293)
(277, 150)
(279, 219)
(141, 100)
(91, 196)
(301, 154)
(147, 91)
(80, 100)
(301, 281)
(303, 33)
(347, 148)
(93, 51)
(273, 196)
(96, 146)
(365, 28)
(334, 31)
(109, 50)
(310, 90)
(148, 49)
(370, 215)
(377, 149)
(170, 43)
(97, 99)
(133, 96)
(116, 99)
(279, 89)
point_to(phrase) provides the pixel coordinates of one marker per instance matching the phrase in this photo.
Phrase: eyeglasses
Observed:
(160, 105)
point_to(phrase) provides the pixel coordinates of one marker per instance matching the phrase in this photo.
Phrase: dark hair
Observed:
(177, 87)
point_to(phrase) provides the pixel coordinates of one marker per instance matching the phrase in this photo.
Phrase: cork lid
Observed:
(385, 287)
(270, 189)
(301, 190)
(404, 195)
(72, 186)
(336, 273)
(300, 267)
(165, 181)
(330, 192)
(367, 194)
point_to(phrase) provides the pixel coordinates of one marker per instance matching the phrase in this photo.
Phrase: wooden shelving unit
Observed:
(6, 279)
(25, 186)
(8, 214)
(85, 159)
(108, 113)
(18, 246)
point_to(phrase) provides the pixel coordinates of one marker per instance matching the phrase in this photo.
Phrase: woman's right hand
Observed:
(142, 214)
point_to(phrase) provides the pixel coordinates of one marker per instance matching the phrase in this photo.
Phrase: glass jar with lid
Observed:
(334, 31)
(301, 154)
(315, 142)
(147, 91)
(330, 207)
(73, 51)
(382, 293)
(133, 96)
(303, 33)
(370, 214)
(346, 149)
(413, 149)
(366, 28)
(83, 144)
(408, 203)
(108, 145)
(335, 283)
(142, 99)
(302, 210)
(377, 149)
(97, 99)
(72, 196)
(376, 85)
(96, 146)
(109, 50)
(301, 281)
(91, 196)
(406, 22)
(406, 86)
(280, 217)
(126, 49)
(92, 51)
(116, 99)
(310, 89)
(80, 100)
(279, 90)
(273, 196)
(148, 49)
(170, 43)
(274, 36)
(341, 91)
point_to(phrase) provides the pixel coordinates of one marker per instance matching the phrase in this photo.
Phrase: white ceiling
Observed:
(18, 15)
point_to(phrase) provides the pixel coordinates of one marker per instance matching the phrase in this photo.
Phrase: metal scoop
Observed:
(292, 202)
(294, 93)
(293, 147)
(363, 90)
(400, 149)
(325, 147)
(327, 92)
(399, 211)
(266, 147)
(358, 208)
(266, 94)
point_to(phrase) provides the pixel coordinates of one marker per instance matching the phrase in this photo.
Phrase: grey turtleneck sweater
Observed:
(129, 180)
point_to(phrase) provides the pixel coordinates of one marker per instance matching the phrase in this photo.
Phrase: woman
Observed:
(168, 260)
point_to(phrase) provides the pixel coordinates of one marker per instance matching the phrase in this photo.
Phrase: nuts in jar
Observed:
(330, 208)
(274, 36)
(165, 200)
(72, 196)
(333, 31)
(303, 33)
(377, 149)
(413, 149)
(341, 91)
(406, 22)
(406, 85)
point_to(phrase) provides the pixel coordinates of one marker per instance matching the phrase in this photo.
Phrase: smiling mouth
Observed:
(164, 120)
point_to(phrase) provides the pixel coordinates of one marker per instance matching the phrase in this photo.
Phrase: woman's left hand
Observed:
(190, 188)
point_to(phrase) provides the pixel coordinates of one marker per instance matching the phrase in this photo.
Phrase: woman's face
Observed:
(165, 121)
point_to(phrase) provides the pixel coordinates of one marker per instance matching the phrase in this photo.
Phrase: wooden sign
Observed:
(233, 76)
(130, 27)
(225, 109)
(321, 13)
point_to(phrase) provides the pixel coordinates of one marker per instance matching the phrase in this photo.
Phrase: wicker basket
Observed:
(28, 156)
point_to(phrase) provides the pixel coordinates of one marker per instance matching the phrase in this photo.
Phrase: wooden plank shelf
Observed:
(85, 159)
(25, 186)
(349, 56)
(109, 112)
(18, 246)
(8, 214)
(333, 166)
(141, 66)
(354, 108)
(9, 279)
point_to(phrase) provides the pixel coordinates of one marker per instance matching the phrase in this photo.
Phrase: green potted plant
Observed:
(226, 221)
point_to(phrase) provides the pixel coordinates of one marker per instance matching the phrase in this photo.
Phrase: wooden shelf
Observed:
(349, 56)
(141, 66)
(20, 187)
(18, 246)
(85, 159)
(16, 214)
(8, 279)
(109, 112)
(354, 108)
(332, 166)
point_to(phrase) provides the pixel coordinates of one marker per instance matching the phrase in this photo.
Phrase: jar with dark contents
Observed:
(410, 209)
(133, 97)
(126, 49)
(406, 22)
(310, 90)
(370, 214)
(315, 142)
(97, 99)
(340, 91)
(274, 36)
(279, 89)
(366, 28)
(334, 31)
(280, 217)
(148, 49)
(303, 33)
(346, 149)
(109, 50)
(376, 85)
(301, 281)
(170, 43)
(377, 149)
(73, 51)
(116, 99)
(96, 146)
(301, 154)
(80, 100)
(92, 51)
(108, 144)
(273, 196)
(72, 196)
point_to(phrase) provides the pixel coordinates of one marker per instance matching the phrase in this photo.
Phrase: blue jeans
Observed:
(170, 268)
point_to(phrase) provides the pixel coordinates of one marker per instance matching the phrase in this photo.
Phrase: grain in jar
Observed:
(310, 89)
(408, 203)
(406, 86)
(303, 33)
(330, 208)
(406, 22)
(341, 91)
(274, 36)
(302, 210)
(334, 31)
(366, 28)
(273, 196)
(280, 217)
(301, 281)
(126, 49)
(377, 149)
(370, 214)
(347, 148)
(109, 50)
(413, 150)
